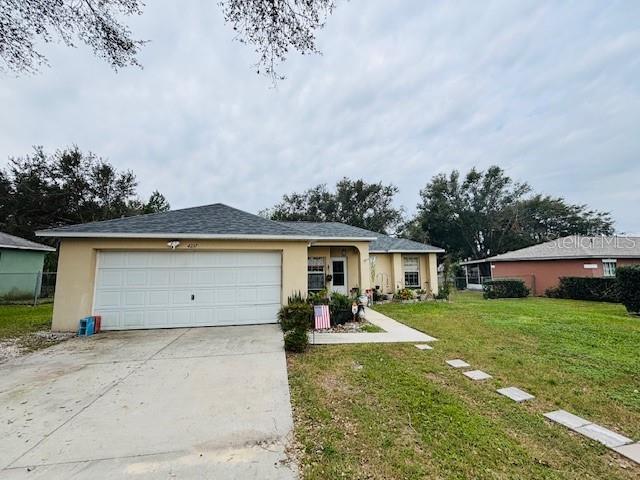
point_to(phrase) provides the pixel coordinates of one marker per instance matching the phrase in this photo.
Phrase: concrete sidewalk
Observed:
(394, 332)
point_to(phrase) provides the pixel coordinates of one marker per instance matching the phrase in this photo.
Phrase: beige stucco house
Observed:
(216, 265)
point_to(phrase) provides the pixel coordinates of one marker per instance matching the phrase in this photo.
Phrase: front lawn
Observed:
(393, 411)
(18, 322)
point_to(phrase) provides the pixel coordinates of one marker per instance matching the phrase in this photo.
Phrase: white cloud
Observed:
(402, 91)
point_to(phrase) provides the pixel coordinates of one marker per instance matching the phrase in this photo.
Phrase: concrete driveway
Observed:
(180, 403)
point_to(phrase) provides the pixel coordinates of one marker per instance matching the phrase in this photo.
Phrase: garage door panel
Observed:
(156, 318)
(159, 277)
(137, 259)
(180, 316)
(225, 276)
(114, 259)
(133, 318)
(204, 276)
(178, 289)
(247, 295)
(181, 297)
(136, 278)
(204, 297)
(110, 278)
(267, 294)
(108, 299)
(135, 298)
(110, 319)
(159, 298)
(181, 278)
(268, 275)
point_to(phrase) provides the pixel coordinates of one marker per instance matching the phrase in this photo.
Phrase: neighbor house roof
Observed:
(573, 247)
(380, 243)
(18, 243)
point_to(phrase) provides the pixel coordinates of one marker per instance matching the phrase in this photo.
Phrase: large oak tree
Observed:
(488, 213)
(354, 202)
(43, 190)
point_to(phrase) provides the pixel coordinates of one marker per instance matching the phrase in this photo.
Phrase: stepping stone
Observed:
(632, 452)
(567, 419)
(515, 394)
(424, 347)
(603, 435)
(457, 363)
(477, 375)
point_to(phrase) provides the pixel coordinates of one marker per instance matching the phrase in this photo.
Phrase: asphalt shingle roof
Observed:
(216, 219)
(18, 243)
(576, 247)
(330, 229)
(222, 220)
(382, 243)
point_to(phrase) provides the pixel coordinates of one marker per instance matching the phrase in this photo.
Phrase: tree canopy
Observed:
(41, 191)
(273, 27)
(488, 213)
(355, 202)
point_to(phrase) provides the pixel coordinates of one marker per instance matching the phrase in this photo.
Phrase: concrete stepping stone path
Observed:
(615, 441)
(477, 375)
(515, 394)
(603, 435)
(424, 346)
(632, 451)
(457, 363)
(567, 419)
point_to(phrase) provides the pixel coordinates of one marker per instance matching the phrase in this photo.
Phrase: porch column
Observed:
(364, 271)
(433, 273)
(397, 279)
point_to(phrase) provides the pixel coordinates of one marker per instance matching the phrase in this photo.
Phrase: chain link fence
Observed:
(27, 288)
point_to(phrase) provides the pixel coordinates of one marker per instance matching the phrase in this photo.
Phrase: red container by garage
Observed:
(98, 323)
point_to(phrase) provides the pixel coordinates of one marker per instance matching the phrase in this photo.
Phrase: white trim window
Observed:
(411, 267)
(315, 273)
(609, 267)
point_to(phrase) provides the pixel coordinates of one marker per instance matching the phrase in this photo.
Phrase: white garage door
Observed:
(181, 289)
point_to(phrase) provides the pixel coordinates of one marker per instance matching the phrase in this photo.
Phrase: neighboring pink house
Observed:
(541, 266)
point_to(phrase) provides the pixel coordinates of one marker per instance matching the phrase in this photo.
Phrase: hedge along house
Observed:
(541, 266)
(216, 265)
(21, 263)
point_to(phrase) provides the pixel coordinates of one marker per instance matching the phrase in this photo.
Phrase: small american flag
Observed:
(321, 313)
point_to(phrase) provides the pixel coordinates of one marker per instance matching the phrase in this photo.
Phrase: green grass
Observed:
(371, 328)
(392, 411)
(18, 321)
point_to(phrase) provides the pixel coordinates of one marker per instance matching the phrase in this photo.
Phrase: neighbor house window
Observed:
(411, 272)
(315, 273)
(609, 268)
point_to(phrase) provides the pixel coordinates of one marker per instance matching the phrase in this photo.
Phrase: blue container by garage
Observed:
(87, 327)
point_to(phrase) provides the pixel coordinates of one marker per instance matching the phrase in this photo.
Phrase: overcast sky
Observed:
(550, 91)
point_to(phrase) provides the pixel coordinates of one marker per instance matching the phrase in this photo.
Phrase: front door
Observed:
(339, 273)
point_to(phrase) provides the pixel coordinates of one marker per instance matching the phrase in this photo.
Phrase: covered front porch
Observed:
(341, 267)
